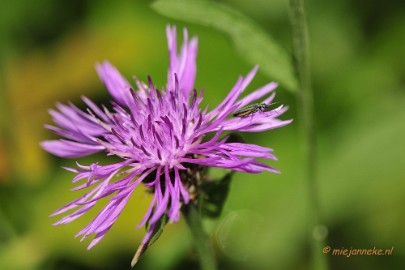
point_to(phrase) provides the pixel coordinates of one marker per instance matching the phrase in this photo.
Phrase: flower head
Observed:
(158, 134)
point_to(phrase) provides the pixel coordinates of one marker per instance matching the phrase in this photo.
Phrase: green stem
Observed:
(302, 67)
(201, 241)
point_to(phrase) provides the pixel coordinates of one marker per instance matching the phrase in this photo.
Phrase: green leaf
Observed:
(216, 193)
(252, 42)
(157, 232)
(235, 138)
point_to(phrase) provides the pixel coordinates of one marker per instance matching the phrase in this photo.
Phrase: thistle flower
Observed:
(158, 134)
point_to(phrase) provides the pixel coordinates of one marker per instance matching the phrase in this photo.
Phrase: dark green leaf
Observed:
(235, 138)
(216, 193)
(157, 232)
(252, 42)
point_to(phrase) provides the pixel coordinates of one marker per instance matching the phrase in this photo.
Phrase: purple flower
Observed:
(158, 136)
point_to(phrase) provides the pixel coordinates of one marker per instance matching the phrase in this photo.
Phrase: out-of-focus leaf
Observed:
(157, 232)
(252, 42)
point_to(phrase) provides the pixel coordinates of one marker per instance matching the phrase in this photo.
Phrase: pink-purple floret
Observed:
(159, 133)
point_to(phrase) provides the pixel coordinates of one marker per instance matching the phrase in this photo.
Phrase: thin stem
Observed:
(201, 241)
(302, 67)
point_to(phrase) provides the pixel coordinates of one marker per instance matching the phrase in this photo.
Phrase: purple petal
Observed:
(255, 95)
(233, 95)
(116, 84)
(69, 149)
(183, 64)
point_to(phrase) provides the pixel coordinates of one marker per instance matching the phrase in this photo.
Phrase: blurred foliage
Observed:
(252, 43)
(47, 54)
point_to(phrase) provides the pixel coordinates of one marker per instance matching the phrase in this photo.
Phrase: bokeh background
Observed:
(48, 51)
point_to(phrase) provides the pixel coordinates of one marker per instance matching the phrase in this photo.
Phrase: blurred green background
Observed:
(48, 51)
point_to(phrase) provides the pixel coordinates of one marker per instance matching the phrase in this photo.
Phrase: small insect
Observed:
(252, 109)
